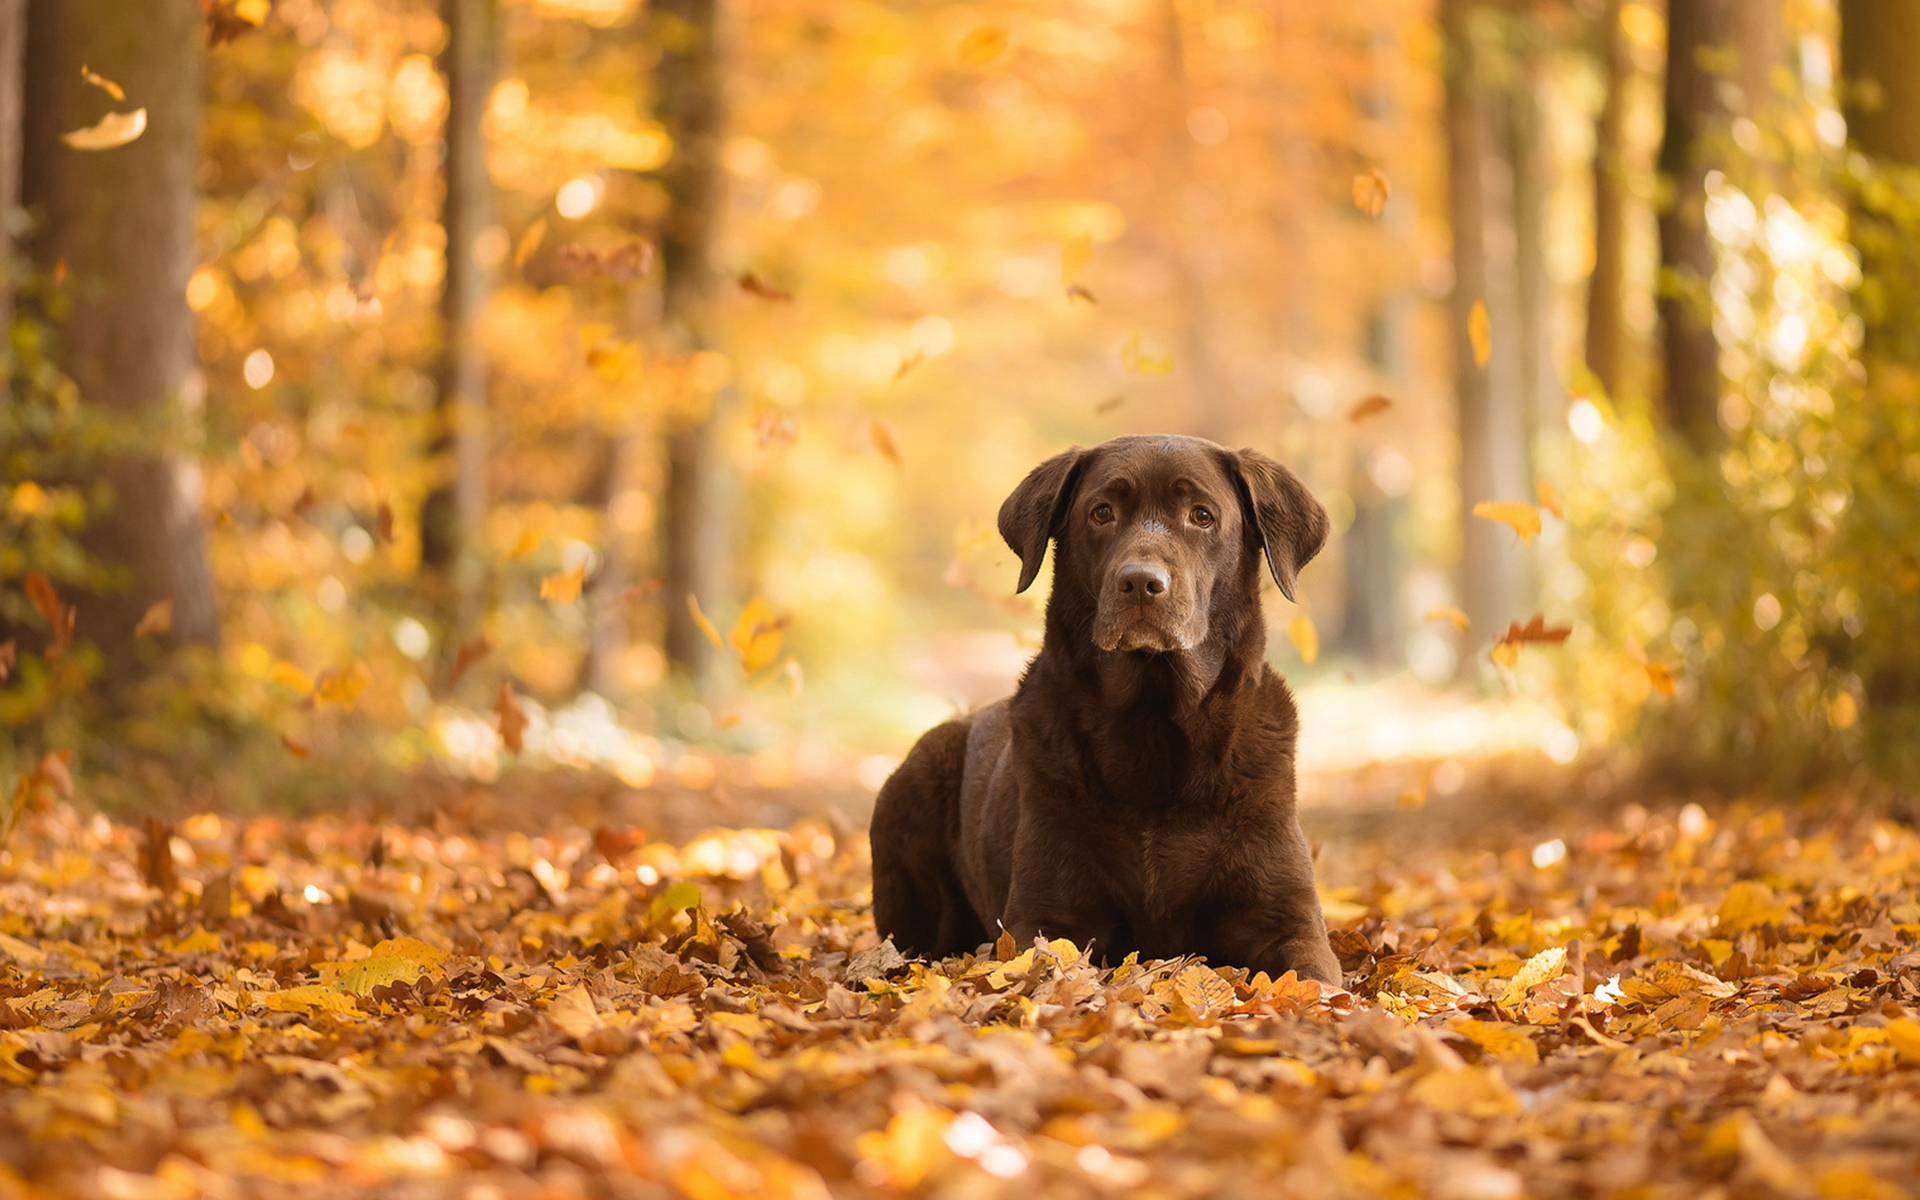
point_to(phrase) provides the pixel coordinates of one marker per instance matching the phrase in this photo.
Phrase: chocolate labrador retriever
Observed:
(1137, 790)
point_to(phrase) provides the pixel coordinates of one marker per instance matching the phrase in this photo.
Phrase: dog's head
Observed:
(1151, 531)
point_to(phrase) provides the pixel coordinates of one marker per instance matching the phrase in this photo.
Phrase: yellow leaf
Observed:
(114, 129)
(1480, 333)
(1075, 254)
(1138, 357)
(563, 587)
(1203, 992)
(1903, 1033)
(1542, 967)
(528, 543)
(253, 12)
(371, 973)
(1448, 613)
(344, 687)
(1477, 1092)
(573, 1011)
(1521, 517)
(883, 440)
(158, 619)
(200, 941)
(756, 634)
(308, 999)
(529, 242)
(1507, 654)
(1660, 676)
(613, 359)
(1305, 638)
(1370, 191)
(707, 627)
(1549, 498)
(21, 951)
(1508, 1043)
(104, 84)
(1750, 904)
(983, 45)
(910, 1147)
(414, 949)
(292, 676)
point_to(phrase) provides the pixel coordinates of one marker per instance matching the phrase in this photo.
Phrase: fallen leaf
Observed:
(1204, 993)
(1370, 191)
(114, 130)
(1521, 517)
(1543, 967)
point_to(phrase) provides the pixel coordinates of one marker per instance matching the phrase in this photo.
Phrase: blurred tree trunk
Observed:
(122, 222)
(1694, 111)
(453, 517)
(1531, 159)
(690, 102)
(1195, 356)
(1492, 420)
(13, 45)
(1879, 42)
(1607, 288)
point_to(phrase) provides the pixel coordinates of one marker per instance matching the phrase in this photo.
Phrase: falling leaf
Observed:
(1135, 356)
(1305, 637)
(983, 45)
(103, 83)
(9, 653)
(1536, 630)
(383, 522)
(1480, 333)
(756, 634)
(60, 617)
(1108, 405)
(526, 544)
(1079, 291)
(1506, 654)
(1370, 191)
(291, 676)
(341, 688)
(706, 627)
(753, 285)
(468, 654)
(623, 262)
(1549, 498)
(1660, 676)
(512, 718)
(796, 682)
(563, 587)
(613, 359)
(1450, 614)
(114, 129)
(530, 239)
(1372, 406)
(297, 748)
(158, 619)
(882, 435)
(908, 364)
(1521, 517)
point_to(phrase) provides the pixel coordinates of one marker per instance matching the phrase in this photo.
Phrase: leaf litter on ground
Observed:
(1666, 1004)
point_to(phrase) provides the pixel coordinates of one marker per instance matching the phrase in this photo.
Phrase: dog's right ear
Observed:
(1031, 516)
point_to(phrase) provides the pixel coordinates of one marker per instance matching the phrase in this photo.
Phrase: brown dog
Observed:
(1137, 791)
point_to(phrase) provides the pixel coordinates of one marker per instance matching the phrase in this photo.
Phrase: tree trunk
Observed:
(1194, 357)
(453, 517)
(13, 44)
(1878, 43)
(1693, 112)
(690, 102)
(122, 222)
(1530, 157)
(1493, 449)
(1607, 288)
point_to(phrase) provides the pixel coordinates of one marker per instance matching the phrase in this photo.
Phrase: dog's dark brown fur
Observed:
(1137, 791)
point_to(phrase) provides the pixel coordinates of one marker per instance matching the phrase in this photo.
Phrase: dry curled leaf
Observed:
(1371, 191)
(113, 131)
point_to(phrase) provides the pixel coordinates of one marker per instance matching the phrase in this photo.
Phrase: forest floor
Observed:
(1544, 998)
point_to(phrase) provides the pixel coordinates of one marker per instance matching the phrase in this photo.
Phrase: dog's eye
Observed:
(1201, 515)
(1101, 514)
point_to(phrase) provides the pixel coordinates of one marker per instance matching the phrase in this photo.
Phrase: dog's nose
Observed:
(1143, 582)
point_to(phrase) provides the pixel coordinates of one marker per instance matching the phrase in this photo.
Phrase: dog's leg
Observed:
(1276, 926)
(1051, 898)
(918, 899)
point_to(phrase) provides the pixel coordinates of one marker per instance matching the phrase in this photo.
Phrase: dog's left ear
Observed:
(1291, 524)
(1031, 516)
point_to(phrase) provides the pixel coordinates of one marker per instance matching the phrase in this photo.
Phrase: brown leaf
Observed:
(1372, 406)
(383, 523)
(753, 285)
(512, 718)
(468, 654)
(158, 619)
(883, 440)
(9, 652)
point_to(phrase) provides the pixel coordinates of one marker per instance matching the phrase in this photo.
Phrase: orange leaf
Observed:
(1480, 333)
(755, 635)
(1521, 517)
(1370, 407)
(707, 627)
(1448, 612)
(156, 620)
(1370, 191)
(563, 587)
(468, 654)
(983, 45)
(882, 435)
(1549, 498)
(513, 718)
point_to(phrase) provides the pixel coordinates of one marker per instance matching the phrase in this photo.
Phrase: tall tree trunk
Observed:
(1195, 357)
(1607, 288)
(1542, 398)
(13, 45)
(1879, 42)
(453, 518)
(1493, 449)
(1693, 112)
(695, 519)
(122, 222)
